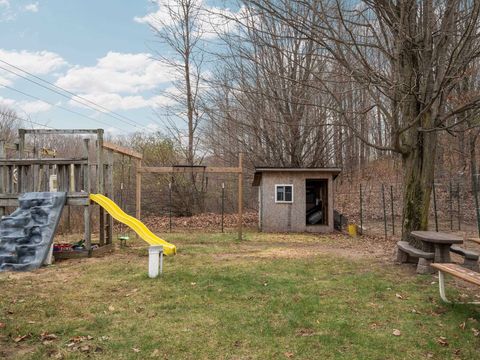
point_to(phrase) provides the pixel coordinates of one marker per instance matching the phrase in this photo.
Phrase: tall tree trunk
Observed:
(419, 167)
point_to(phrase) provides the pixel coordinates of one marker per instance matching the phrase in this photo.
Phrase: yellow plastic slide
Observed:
(133, 223)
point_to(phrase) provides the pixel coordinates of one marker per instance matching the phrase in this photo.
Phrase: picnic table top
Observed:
(459, 271)
(437, 237)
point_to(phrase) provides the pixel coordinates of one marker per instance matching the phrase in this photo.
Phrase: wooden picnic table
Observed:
(440, 242)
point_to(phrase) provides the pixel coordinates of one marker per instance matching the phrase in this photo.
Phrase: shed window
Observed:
(284, 193)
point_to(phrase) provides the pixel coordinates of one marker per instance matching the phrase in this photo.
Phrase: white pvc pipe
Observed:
(155, 261)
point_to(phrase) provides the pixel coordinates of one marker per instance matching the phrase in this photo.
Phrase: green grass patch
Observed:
(210, 306)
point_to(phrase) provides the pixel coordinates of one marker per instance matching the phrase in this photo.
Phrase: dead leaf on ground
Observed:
(155, 353)
(442, 340)
(21, 338)
(288, 354)
(305, 332)
(53, 354)
(396, 332)
(2, 325)
(476, 332)
(462, 325)
(111, 308)
(399, 296)
(85, 348)
(46, 336)
(136, 350)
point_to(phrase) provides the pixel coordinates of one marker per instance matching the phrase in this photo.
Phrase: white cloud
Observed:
(6, 13)
(6, 102)
(118, 81)
(34, 107)
(38, 63)
(212, 20)
(27, 107)
(118, 73)
(153, 127)
(33, 7)
(115, 102)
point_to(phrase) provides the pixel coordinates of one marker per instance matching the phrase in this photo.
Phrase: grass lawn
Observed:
(271, 296)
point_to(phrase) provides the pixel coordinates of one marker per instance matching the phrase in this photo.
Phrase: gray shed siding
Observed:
(280, 217)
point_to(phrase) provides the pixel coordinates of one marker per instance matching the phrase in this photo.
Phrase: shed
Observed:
(295, 199)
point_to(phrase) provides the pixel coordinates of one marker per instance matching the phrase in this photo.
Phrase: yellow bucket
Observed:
(352, 230)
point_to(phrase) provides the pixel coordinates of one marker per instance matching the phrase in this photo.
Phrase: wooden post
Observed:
(240, 196)
(170, 204)
(101, 234)
(21, 155)
(21, 143)
(109, 190)
(87, 208)
(138, 190)
(100, 185)
(100, 178)
(2, 175)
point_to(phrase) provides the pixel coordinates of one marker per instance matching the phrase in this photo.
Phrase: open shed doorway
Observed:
(316, 199)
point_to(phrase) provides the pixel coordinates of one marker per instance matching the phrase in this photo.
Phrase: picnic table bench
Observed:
(456, 271)
(404, 250)
(470, 258)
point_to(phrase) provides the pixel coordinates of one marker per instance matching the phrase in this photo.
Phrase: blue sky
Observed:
(100, 50)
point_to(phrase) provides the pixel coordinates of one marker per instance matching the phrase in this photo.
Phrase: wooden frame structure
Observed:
(28, 171)
(78, 177)
(192, 169)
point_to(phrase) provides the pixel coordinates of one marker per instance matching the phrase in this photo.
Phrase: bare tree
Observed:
(408, 57)
(262, 100)
(9, 124)
(180, 31)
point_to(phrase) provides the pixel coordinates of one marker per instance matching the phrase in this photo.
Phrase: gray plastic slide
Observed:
(27, 234)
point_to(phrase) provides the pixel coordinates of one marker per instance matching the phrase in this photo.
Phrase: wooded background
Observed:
(386, 90)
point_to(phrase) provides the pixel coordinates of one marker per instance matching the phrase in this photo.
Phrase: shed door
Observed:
(316, 201)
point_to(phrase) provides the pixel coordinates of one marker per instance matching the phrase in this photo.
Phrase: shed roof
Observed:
(260, 170)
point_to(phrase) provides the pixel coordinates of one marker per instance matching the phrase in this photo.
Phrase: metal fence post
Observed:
(475, 194)
(451, 205)
(393, 213)
(459, 215)
(384, 211)
(361, 209)
(435, 206)
(223, 202)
